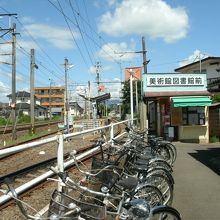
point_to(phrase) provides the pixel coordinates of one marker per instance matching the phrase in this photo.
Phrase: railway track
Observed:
(26, 127)
(29, 174)
(35, 175)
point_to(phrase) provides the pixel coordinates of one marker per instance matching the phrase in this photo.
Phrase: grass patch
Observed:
(26, 137)
(214, 139)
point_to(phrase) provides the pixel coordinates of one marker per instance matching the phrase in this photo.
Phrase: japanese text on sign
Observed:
(175, 81)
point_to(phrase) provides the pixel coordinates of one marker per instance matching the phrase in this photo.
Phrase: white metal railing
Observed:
(56, 138)
(59, 138)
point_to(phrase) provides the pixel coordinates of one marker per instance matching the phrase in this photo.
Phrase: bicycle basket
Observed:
(108, 177)
(61, 203)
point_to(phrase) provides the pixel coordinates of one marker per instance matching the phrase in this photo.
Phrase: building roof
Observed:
(26, 106)
(21, 94)
(56, 109)
(176, 93)
(99, 98)
(48, 87)
(76, 105)
(207, 60)
(3, 105)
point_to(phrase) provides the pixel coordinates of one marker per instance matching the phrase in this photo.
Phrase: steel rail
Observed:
(43, 177)
(26, 126)
(12, 150)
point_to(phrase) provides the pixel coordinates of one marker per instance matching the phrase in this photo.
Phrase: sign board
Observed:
(175, 80)
(160, 82)
(171, 132)
(136, 71)
(176, 116)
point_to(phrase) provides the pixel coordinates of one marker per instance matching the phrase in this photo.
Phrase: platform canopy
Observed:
(97, 99)
(191, 101)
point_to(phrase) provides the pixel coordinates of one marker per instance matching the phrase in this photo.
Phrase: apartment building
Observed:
(51, 97)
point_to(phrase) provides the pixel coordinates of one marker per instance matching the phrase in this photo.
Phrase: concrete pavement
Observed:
(197, 181)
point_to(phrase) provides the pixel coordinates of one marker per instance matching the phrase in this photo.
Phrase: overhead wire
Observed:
(25, 52)
(32, 38)
(88, 36)
(95, 32)
(22, 50)
(80, 31)
(43, 51)
(71, 32)
(28, 54)
(88, 20)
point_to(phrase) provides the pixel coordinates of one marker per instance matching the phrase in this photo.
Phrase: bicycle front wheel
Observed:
(164, 213)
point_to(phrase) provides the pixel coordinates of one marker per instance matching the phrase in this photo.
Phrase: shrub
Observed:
(214, 139)
(3, 121)
(24, 119)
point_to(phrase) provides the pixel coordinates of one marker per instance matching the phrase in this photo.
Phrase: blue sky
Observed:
(90, 31)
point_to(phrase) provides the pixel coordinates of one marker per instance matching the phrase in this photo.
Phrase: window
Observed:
(193, 115)
(40, 92)
(202, 71)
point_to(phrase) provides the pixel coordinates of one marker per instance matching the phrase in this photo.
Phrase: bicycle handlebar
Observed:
(84, 188)
(73, 153)
(18, 201)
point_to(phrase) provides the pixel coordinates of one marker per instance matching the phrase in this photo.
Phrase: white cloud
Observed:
(92, 69)
(58, 37)
(111, 2)
(154, 18)
(27, 45)
(196, 56)
(27, 19)
(6, 49)
(114, 88)
(104, 68)
(4, 91)
(117, 52)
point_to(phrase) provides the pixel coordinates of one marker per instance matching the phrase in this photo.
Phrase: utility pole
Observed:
(85, 105)
(66, 96)
(143, 108)
(136, 91)
(145, 62)
(89, 99)
(67, 66)
(131, 96)
(32, 99)
(97, 68)
(13, 102)
(50, 114)
(12, 29)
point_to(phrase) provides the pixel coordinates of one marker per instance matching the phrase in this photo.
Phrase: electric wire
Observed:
(80, 31)
(89, 37)
(88, 21)
(71, 32)
(22, 50)
(34, 40)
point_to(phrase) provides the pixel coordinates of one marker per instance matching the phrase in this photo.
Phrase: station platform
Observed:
(197, 181)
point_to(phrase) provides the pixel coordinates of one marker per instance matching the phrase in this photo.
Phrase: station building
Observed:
(180, 104)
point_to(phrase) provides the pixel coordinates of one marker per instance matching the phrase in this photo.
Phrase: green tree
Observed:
(216, 98)
(125, 108)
